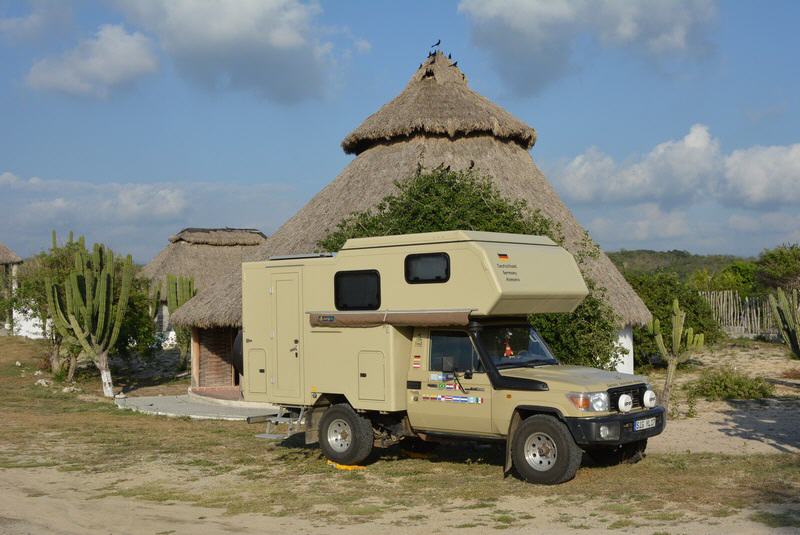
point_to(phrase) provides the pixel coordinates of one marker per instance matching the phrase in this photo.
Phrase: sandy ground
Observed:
(48, 501)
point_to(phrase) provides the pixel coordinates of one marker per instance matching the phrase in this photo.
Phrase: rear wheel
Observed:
(344, 436)
(544, 452)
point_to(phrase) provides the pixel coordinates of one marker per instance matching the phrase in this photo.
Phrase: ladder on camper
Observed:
(294, 421)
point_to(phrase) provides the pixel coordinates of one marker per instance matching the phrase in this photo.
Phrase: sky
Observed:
(662, 125)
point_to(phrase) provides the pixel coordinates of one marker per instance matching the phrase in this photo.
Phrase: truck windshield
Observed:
(514, 347)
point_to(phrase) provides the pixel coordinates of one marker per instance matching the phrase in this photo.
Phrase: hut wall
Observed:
(215, 360)
(625, 341)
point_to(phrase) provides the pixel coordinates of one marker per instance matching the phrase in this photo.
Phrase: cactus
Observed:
(180, 290)
(786, 314)
(680, 351)
(89, 312)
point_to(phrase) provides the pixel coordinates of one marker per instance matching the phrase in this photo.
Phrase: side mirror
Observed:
(448, 364)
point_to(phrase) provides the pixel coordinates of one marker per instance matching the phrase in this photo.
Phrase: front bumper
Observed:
(586, 431)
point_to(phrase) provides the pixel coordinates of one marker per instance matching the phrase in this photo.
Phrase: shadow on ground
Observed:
(773, 421)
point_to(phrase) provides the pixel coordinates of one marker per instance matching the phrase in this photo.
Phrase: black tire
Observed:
(546, 468)
(354, 431)
(630, 453)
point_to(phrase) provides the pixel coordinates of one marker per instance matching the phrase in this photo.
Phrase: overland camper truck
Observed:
(426, 336)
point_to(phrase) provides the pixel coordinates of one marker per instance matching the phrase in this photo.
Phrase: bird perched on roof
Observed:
(454, 64)
(437, 43)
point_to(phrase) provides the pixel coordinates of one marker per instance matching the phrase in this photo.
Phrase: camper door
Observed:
(285, 361)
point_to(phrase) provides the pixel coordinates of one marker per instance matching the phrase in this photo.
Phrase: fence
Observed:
(746, 317)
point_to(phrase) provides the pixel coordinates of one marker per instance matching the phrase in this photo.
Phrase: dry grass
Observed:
(220, 464)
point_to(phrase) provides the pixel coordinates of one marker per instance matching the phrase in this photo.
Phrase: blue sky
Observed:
(662, 124)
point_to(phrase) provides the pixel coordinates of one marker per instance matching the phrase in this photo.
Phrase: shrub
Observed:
(446, 200)
(780, 267)
(728, 383)
(658, 291)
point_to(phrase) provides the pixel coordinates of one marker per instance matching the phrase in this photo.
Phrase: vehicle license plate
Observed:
(647, 423)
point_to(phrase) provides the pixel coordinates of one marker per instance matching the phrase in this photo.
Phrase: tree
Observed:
(679, 351)
(32, 292)
(447, 200)
(93, 308)
(658, 290)
(780, 267)
(179, 290)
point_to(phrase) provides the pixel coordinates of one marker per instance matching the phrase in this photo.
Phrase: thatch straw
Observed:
(437, 102)
(203, 254)
(371, 176)
(7, 256)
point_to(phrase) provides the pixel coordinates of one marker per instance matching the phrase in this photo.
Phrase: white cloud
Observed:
(685, 171)
(110, 59)
(44, 16)
(531, 41)
(643, 222)
(672, 171)
(134, 217)
(759, 176)
(265, 46)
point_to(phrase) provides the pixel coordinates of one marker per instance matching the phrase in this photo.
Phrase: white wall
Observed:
(625, 341)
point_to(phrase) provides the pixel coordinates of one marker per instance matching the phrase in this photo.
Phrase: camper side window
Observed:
(427, 268)
(357, 290)
(454, 344)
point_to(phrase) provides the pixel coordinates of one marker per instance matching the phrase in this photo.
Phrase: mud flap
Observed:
(512, 428)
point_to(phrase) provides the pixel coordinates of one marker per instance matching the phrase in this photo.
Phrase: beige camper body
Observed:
(288, 299)
(425, 335)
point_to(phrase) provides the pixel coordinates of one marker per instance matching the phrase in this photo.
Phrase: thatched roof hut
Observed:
(436, 120)
(205, 254)
(8, 257)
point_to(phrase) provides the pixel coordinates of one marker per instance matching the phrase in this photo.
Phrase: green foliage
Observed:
(728, 383)
(787, 317)
(658, 291)
(445, 200)
(442, 200)
(137, 333)
(682, 263)
(55, 264)
(179, 290)
(585, 337)
(739, 275)
(780, 267)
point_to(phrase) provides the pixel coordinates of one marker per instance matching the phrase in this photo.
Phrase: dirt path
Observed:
(49, 501)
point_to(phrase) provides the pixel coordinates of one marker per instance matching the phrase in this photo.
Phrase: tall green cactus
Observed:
(680, 351)
(89, 311)
(179, 291)
(787, 317)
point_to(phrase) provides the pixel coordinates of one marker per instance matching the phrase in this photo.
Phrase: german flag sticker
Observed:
(502, 256)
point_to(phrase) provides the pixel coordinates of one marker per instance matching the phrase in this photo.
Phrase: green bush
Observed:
(658, 290)
(728, 383)
(780, 267)
(445, 200)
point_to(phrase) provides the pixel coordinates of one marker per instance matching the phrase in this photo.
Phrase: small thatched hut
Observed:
(436, 120)
(206, 255)
(9, 263)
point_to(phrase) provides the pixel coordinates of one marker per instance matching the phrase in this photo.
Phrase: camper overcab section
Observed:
(426, 335)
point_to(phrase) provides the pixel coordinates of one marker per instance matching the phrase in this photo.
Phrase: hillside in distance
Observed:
(681, 262)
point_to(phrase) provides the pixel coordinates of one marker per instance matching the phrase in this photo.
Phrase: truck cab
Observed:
(426, 336)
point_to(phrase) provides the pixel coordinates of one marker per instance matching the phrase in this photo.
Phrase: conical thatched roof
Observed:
(405, 135)
(7, 256)
(206, 254)
(437, 102)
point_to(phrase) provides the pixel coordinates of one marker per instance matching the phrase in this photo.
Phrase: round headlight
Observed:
(625, 403)
(650, 399)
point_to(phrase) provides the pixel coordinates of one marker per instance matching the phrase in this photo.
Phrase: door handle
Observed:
(362, 374)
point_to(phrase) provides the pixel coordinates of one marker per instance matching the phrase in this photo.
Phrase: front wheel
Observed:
(544, 452)
(344, 436)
